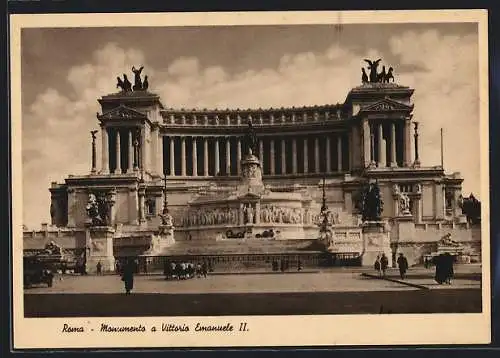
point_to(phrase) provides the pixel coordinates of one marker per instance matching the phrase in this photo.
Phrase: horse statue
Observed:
(124, 84)
(364, 76)
(381, 77)
(389, 75)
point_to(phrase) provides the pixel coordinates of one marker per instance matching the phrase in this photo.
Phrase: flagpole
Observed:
(442, 150)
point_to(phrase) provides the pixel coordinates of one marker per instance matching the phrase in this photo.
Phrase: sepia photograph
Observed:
(204, 174)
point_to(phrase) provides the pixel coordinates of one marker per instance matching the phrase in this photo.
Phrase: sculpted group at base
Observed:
(165, 327)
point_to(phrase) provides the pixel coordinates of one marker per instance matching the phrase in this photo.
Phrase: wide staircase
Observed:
(241, 255)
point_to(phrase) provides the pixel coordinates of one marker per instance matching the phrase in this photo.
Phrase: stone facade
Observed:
(200, 151)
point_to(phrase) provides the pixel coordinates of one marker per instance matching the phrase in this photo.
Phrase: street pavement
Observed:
(329, 280)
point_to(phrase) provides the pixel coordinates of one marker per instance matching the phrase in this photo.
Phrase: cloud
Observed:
(57, 124)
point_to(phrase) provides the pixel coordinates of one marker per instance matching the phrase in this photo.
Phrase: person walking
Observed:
(128, 276)
(402, 265)
(377, 265)
(384, 263)
(448, 270)
(99, 268)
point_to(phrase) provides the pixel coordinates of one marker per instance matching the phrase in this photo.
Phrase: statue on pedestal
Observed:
(370, 203)
(250, 138)
(404, 204)
(98, 209)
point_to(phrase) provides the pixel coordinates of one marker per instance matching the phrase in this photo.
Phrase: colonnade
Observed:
(121, 150)
(388, 147)
(279, 155)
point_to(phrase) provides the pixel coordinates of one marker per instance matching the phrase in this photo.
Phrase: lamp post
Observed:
(93, 133)
(324, 207)
(417, 159)
(165, 201)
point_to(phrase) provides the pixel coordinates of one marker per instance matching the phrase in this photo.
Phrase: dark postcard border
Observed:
(62, 6)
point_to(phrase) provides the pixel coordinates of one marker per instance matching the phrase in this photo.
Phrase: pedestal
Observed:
(100, 248)
(376, 240)
(166, 237)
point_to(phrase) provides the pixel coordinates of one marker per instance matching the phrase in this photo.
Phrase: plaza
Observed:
(331, 291)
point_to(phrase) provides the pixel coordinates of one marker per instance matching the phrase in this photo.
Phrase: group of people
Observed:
(444, 268)
(284, 265)
(382, 263)
(185, 270)
(443, 263)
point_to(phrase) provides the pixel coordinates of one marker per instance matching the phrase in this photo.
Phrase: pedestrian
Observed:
(299, 265)
(403, 265)
(99, 268)
(128, 276)
(377, 265)
(204, 269)
(440, 269)
(448, 268)
(384, 263)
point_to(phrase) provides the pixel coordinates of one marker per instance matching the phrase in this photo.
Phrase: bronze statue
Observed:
(127, 86)
(120, 84)
(389, 75)
(145, 84)
(370, 203)
(372, 66)
(364, 76)
(137, 79)
(381, 77)
(251, 138)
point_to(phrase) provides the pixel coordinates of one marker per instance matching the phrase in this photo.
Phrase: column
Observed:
(71, 207)
(381, 149)
(154, 149)
(328, 155)
(118, 153)
(261, 153)
(216, 156)
(105, 151)
(183, 156)
(133, 206)
(159, 155)
(142, 209)
(143, 147)
(238, 156)
(205, 157)
(294, 153)
(257, 213)
(407, 143)
(394, 162)
(130, 165)
(172, 156)
(306, 157)
(228, 156)
(283, 156)
(316, 155)
(367, 158)
(195, 158)
(339, 153)
(271, 157)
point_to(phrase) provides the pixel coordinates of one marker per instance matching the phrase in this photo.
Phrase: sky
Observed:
(65, 71)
